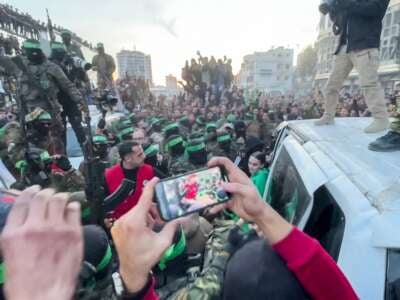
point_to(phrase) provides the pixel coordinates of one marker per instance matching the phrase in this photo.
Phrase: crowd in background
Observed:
(134, 91)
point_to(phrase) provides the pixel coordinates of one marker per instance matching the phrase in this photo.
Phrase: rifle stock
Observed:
(123, 191)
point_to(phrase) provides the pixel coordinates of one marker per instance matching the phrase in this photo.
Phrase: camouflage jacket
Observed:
(209, 283)
(51, 78)
(70, 182)
(179, 166)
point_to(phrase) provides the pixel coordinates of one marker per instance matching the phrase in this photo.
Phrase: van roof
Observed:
(377, 175)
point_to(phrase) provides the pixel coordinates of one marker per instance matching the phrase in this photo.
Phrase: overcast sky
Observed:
(173, 30)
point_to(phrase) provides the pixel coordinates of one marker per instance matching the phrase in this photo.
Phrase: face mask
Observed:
(35, 56)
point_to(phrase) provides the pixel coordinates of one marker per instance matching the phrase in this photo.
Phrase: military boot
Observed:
(325, 120)
(377, 125)
(387, 143)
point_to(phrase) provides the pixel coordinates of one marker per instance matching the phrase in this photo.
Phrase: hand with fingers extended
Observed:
(139, 247)
(247, 203)
(42, 246)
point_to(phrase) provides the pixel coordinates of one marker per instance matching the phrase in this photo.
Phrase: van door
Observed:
(293, 179)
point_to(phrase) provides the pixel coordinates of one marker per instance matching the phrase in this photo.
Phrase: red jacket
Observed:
(314, 268)
(114, 177)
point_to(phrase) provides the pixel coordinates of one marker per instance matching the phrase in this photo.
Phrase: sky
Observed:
(172, 31)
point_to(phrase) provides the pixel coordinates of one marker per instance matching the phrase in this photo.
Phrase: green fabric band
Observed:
(105, 261)
(45, 156)
(173, 252)
(175, 142)
(196, 148)
(211, 125)
(2, 273)
(45, 117)
(57, 45)
(128, 130)
(171, 126)
(152, 150)
(224, 138)
(31, 45)
(100, 139)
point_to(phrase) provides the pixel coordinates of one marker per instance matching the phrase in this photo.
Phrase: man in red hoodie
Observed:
(131, 167)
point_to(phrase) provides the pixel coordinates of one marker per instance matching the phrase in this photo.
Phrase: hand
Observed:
(42, 246)
(247, 203)
(139, 247)
(62, 162)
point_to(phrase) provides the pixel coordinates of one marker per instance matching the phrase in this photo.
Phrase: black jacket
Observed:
(364, 23)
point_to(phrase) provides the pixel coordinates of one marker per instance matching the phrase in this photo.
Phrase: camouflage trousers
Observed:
(395, 126)
(208, 285)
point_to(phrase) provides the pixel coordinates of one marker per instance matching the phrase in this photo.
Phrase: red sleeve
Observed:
(318, 273)
(151, 294)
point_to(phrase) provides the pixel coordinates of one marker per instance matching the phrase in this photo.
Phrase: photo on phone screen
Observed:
(190, 193)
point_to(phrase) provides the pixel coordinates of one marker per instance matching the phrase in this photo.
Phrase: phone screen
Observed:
(190, 193)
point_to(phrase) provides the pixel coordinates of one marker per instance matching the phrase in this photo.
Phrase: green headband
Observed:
(174, 142)
(196, 147)
(199, 122)
(211, 125)
(105, 261)
(56, 45)
(152, 150)
(45, 156)
(45, 116)
(173, 252)
(2, 273)
(100, 139)
(224, 138)
(31, 45)
(231, 118)
(171, 126)
(128, 130)
(64, 32)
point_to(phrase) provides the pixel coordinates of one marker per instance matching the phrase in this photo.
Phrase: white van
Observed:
(327, 182)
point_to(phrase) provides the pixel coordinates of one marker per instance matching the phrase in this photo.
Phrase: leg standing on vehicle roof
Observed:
(359, 24)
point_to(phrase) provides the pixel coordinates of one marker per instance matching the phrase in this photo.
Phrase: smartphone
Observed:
(192, 192)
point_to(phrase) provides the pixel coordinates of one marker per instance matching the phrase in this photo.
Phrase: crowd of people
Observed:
(134, 91)
(93, 231)
(193, 257)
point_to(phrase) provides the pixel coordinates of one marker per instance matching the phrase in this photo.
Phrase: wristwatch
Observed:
(123, 294)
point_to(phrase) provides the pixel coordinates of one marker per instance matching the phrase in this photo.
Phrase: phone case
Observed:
(161, 198)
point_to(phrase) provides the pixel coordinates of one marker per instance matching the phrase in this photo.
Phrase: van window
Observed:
(326, 222)
(287, 193)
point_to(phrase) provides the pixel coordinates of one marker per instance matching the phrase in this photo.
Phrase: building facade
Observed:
(268, 71)
(135, 64)
(171, 82)
(389, 70)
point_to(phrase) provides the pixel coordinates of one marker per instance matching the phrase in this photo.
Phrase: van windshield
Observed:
(287, 193)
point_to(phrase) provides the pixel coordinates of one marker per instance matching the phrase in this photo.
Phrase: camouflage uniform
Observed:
(209, 283)
(75, 49)
(179, 165)
(105, 66)
(51, 79)
(231, 154)
(68, 182)
(395, 125)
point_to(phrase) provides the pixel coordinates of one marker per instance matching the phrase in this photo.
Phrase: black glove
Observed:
(63, 163)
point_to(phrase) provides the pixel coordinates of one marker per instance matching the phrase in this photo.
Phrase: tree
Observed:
(307, 63)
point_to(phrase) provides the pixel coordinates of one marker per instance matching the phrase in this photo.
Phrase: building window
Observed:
(396, 17)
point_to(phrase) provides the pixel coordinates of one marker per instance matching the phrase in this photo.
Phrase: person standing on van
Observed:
(359, 26)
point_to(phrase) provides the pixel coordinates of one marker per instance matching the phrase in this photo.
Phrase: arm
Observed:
(368, 8)
(247, 204)
(65, 84)
(305, 257)
(112, 64)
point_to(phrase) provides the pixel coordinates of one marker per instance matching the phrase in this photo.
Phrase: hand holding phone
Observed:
(191, 192)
